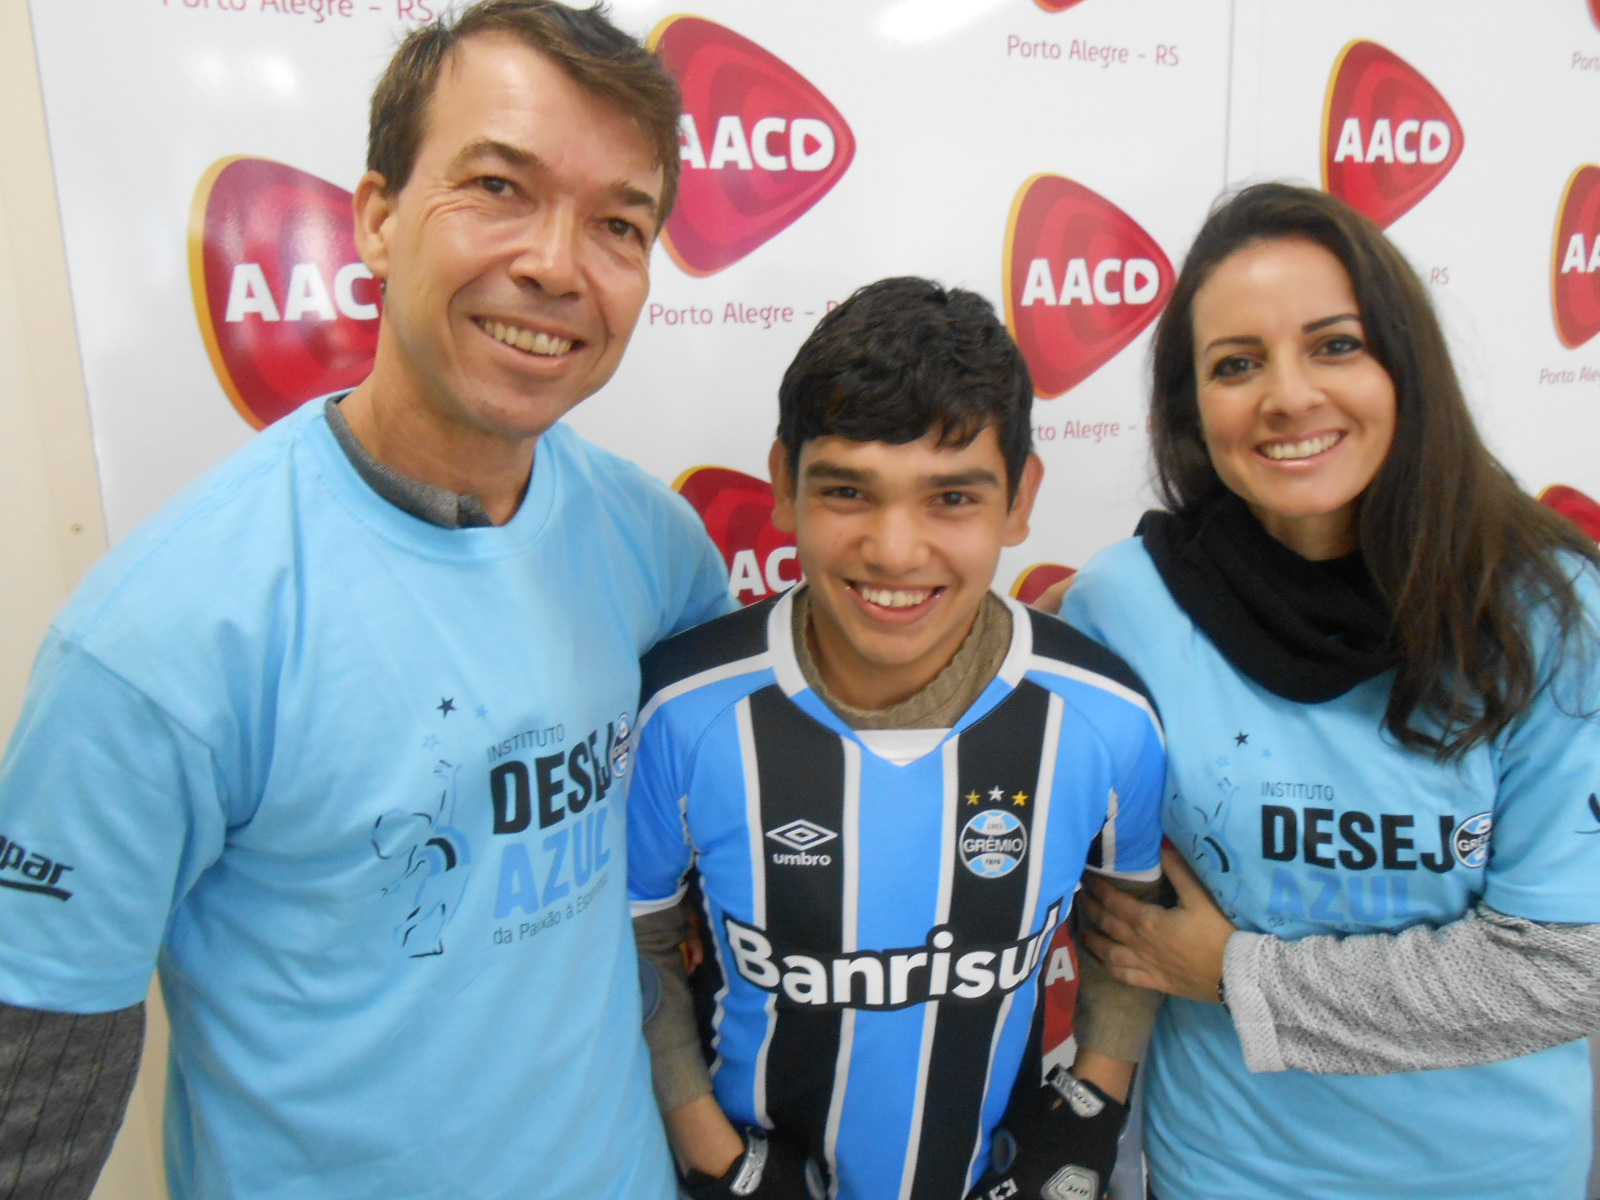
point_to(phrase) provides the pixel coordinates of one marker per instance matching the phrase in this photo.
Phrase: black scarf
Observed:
(1306, 631)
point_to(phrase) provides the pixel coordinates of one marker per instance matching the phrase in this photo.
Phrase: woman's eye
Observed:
(1228, 368)
(1342, 344)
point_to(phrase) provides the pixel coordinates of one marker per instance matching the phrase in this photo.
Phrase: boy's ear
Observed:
(1015, 531)
(782, 487)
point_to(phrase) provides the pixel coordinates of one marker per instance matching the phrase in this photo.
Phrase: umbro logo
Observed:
(801, 835)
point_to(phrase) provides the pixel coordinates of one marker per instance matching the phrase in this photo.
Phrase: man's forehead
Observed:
(494, 77)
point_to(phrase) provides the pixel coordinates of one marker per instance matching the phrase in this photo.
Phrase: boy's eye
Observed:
(956, 499)
(841, 492)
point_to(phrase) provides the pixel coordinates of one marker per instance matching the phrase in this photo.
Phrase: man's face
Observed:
(517, 256)
(899, 545)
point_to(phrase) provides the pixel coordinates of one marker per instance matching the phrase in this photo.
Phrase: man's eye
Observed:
(621, 228)
(494, 185)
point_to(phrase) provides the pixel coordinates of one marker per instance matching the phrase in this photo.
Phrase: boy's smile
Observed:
(899, 544)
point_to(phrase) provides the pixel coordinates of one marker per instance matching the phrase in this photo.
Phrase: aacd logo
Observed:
(760, 145)
(737, 511)
(285, 305)
(1576, 506)
(1388, 137)
(1081, 280)
(1575, 269)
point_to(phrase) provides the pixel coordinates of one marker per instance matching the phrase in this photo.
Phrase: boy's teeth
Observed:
(1305, 449)
(526, 340)
(894, 597)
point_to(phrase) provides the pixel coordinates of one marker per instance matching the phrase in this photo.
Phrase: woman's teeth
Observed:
(1306, 449)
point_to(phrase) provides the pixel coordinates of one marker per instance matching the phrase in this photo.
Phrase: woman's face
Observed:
(1296, 413)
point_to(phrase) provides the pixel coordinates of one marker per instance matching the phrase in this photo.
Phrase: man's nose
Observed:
(549, 252)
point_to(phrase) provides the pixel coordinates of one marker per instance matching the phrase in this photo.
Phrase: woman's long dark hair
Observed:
(1458, 550)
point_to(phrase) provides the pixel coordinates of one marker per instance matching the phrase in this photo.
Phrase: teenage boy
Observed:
(890, 781)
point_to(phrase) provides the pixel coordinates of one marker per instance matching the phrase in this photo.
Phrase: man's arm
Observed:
(65, 1079)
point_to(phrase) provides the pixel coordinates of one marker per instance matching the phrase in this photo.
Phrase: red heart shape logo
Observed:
(287, 310)
(1594, 10)
(1038, 579)
(737, 511)
(1575, 506)
(1388, 137)
(1058, 1041)
(1055, 6)
(1575, 263)
(760, 145)
(1081, 280)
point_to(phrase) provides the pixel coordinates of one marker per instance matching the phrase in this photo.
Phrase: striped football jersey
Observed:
(879, 916)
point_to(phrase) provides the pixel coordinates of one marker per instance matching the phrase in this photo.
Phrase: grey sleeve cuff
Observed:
(677, 1062)
(1480, 989)
(65, 1079)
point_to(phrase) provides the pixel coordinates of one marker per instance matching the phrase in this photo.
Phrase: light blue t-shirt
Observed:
(1304, 819)
(358, 781)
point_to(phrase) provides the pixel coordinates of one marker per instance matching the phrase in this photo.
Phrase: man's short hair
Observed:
(599, 57)
(904, 357)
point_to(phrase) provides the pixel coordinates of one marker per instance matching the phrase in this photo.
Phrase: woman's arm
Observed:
(1479, 989)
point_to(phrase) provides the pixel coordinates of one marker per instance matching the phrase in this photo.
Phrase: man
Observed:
(341, 735)
(889, 782)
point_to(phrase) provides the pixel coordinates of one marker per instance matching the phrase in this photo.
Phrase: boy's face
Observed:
(899, 545)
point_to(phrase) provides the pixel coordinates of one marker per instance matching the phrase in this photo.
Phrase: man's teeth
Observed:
(525, 340)
(1305, 449)
(894, 597)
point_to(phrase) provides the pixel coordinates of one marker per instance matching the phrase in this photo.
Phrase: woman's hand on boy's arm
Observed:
(1177, 950)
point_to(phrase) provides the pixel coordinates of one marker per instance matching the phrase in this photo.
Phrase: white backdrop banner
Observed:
(1055, 155)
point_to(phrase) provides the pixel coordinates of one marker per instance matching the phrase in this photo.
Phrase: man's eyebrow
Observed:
(1308, 327)
(511, 155)
(634, 197)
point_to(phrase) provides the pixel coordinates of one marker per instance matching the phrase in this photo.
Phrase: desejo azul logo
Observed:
(1575, 262)
(760, 144)
(1388, 137)
(992, 843)
(286, 307)
(1082, 279)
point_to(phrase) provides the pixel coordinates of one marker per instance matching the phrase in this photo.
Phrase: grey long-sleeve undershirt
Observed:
(1480, 989)
(64, 1084)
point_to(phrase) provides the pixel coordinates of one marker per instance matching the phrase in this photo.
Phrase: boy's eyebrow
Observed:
(836, 473)
(827, 472)
(977, 477)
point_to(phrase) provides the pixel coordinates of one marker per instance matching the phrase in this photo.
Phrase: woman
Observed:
(1374, 657)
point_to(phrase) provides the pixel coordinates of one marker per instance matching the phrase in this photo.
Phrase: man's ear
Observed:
(374, 213)
(783, 487)
(1015, 531)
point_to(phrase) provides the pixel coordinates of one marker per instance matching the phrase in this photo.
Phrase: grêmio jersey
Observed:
(877, 919)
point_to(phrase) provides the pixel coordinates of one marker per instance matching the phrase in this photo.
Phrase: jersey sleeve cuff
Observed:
(643, 908)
